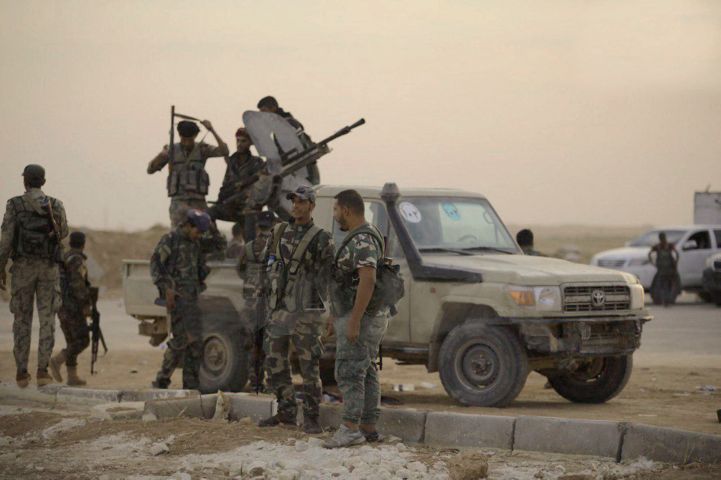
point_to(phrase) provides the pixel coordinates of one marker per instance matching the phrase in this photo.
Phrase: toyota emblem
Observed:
(598, 298)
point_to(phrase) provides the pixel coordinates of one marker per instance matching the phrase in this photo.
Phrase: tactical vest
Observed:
(287, 283)
(254, 271)
(187, 176)
(32, 235)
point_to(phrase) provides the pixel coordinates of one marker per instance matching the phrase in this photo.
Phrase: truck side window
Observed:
(717, 234)
(702, 241)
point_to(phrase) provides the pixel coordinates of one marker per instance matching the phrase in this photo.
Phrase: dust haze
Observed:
(561, 112)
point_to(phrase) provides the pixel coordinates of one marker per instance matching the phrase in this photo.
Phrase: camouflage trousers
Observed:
(186, 345)
(179, 207)
(76, 332)
(257, 352)
(34, 279)
(303, 334)
(355, 368)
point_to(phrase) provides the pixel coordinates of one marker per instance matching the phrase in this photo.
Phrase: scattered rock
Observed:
(577, 476)
(158, 449)
(149, 417)
(427, 385)
(468, 466)
(256, 469)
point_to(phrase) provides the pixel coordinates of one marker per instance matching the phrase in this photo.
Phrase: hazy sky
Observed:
(604, 112)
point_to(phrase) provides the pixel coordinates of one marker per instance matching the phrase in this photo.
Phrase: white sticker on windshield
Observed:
(410, 212)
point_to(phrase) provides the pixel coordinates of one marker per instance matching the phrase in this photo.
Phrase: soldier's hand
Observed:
(353, 331)
(3, 279)
(207, 124)
(87, 311)
(329, 326)
(170, 299)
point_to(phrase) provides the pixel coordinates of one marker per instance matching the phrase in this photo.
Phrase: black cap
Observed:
(266, 219)
(303, 193)
(267, 102)
(34, 171)
(77, 239)
(186, 128)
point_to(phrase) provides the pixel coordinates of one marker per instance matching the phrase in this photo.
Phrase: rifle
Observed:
(58, 254)
(97, 334)
(292, 161)
(259, 314)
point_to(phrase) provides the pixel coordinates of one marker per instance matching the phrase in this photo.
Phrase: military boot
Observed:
(311, 425)
(56, 362)
(43, 378)
(22, 379)
(73, 379)
(277, 419)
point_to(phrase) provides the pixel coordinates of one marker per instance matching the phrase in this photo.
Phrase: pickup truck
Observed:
(476, 309)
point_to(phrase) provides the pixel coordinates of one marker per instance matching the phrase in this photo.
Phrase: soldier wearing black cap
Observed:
(188, 181)
(75, 290)
(32, 229)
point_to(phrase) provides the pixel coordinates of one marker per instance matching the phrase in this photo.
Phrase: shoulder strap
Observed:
(278, 231)
(302, 247)
(248, 247)
(370, 229)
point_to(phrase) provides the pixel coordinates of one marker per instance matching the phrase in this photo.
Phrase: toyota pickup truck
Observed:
(476, 309)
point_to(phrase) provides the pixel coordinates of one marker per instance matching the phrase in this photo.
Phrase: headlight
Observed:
(638, 297)
(638, 262)
(542, 298)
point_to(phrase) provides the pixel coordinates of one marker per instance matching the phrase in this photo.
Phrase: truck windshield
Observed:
(438, 223)
(649, 239)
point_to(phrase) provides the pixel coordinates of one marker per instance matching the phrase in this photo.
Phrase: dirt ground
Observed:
(37, 443)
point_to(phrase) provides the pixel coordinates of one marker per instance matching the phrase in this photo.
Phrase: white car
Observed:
(694, 244)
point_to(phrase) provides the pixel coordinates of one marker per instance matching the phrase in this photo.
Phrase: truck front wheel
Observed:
(225, 362)
(596, 381)
(482, 365)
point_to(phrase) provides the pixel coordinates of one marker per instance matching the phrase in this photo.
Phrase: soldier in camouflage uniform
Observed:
(75, 290)
(251, 268)
(178, 270)
(32, 228)
(188, 181)
(524, 238)
(358, 331)
(299, 255)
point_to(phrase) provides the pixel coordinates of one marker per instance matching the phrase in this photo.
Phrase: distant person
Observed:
(75, 291)
(32, 229)
(188, 181)
(236, 244)
(524, 238)
(665, 284)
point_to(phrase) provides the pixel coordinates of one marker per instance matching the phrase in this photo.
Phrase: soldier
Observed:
(236, 245)
(299, 255)
(524, 238)
(665, 282)
(32, 228)
(359, 331)
(178, 269)
(75, 290)
(240, 166)
(187, 179)
(251, 268)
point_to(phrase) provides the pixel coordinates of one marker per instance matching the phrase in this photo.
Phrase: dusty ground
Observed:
(75, 444)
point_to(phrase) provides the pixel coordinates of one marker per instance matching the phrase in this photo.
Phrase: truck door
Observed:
(693, 253)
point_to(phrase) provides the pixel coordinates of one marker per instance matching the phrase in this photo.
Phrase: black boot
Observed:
(311, 425)
(277, 420)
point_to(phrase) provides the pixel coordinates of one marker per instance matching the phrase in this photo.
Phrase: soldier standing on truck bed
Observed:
(32, 229)
(188, 181)
(75, 290)
(178, 269)
(359, 326)
(251, 268)
(239, 167)
(299, 255)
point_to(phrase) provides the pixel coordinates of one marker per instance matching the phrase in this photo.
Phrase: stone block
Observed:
(407, 424)
(87, 395)
(565, 435)
(197, 407)
(670, 445)
(246, 405)
(144, 395)
(468, 430)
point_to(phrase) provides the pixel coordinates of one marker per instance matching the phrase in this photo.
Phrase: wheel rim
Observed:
(215, 356)
(589, 372)
(477, 365)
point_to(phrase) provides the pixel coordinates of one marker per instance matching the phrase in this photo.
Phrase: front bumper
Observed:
(712, 280)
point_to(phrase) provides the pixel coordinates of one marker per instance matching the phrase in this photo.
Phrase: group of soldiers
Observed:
(33, 228)
(292, 275)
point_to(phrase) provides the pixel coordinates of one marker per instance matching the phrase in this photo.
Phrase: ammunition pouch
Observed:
(187, 174)
(32, 238)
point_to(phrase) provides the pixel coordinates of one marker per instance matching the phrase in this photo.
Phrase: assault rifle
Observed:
(97, 334)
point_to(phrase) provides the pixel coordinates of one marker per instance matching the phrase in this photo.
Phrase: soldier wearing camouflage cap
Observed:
(32, 229)
(188, 181)
(178, 269)
(298, 255)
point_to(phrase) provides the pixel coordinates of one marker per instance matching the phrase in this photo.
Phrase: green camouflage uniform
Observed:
(295, 319)
(188, 181)
(355, 368)
(179, 263)
(251, 268)
(76, 299)
(34, 270)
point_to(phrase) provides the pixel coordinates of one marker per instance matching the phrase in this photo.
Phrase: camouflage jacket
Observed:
(34, 202)
(74, 280)
(307, 289)
(180, 263)
(240, 167)
(362, 250)
(251, 264)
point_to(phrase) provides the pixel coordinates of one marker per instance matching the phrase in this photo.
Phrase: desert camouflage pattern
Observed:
(361, 251)
(179, 207)
(75, 304)
(305, 340)
(186, 345)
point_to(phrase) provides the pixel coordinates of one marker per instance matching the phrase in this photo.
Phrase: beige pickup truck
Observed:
(476, 309)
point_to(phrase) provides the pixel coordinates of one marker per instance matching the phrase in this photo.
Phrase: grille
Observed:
(579, 298)
(611, 262)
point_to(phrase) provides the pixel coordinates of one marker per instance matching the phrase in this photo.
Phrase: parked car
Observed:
(694, 243)
(712, 278)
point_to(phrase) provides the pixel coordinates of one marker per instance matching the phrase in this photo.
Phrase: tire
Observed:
(482, 365)
(599, 381)
(705, 296)
(225, 362)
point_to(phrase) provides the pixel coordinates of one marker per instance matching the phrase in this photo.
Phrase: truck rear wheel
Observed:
(596, 381)
(225, 362)
(482, 365)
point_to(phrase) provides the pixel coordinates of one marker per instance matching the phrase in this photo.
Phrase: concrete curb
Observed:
(195, 407)
(246, 405)
(51, 394)
(561, 435)
(670, 445)
(467, 430)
